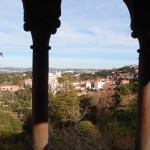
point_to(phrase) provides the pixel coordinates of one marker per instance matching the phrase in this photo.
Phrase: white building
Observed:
(53, 80)
(28, 82)
(69, 71)
(98, 85)
(88, 85)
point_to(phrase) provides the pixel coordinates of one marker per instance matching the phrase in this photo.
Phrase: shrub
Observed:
(118, 130)
(10, 132)
(113, 137)
(87, 128)
(72, 139)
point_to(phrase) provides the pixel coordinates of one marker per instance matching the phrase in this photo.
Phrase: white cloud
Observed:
(89, 27)
(69, 35)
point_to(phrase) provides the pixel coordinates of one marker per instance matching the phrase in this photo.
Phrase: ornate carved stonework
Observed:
(42, 14)
(140, 21)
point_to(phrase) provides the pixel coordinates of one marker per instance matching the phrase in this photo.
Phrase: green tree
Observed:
(27, 125)
(10, 132)
(87, 128)
(66, 77)
(88, 76)
(22, 102)
(117, 97)
(104, 73)
(86, 101)
(120, 92)
(88, 108)
(64, 108)
(7, 96)
(24, 94)
(123, 90)
(118, 129)
(126, 117)
(134, 85)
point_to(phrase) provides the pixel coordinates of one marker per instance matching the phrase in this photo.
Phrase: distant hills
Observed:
(72, 69)
(14, 69)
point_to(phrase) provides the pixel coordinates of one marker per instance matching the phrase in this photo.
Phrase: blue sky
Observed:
(93, 34)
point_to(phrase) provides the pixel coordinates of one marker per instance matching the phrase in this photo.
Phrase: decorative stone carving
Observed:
(139, 14)
(42, 14)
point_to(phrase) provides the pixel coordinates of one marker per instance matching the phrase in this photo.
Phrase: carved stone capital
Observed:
(41, 17)
(139, 14)
(140, 23)
(42, 14)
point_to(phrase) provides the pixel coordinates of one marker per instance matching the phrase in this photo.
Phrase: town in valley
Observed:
(89, 104)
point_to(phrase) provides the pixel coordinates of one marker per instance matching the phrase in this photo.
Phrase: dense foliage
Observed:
(14, 78)
(18, 101)
(10, 132)
(120, 92)
(119, 128)
(88, 76)
(64, 107)
(87, 128)
(104, 73)
(66, 77)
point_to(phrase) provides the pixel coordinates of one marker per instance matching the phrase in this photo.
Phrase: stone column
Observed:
(140, 24)
(40, 89)
(41, 19)
(143, 110)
